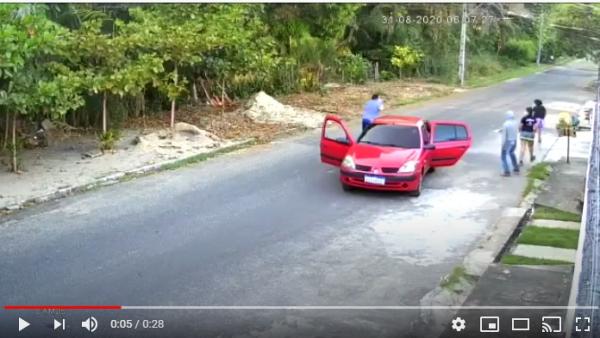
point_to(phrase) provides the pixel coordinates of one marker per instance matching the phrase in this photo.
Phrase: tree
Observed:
(404, 58)
(182, 47)
(30, 78)
(113, 63)
(578, 27)
(98, 57)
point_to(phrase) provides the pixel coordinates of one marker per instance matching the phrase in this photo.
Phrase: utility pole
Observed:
(540, 38)
(463, 43)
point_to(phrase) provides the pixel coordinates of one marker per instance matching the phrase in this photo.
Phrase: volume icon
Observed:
(90, 324)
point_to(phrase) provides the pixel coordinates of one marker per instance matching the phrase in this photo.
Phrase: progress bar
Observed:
(290, 307)
(399, 307)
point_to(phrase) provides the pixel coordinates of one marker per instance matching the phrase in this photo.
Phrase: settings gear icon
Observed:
(458, 324)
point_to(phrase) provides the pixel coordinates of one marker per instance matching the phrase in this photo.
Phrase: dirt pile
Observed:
(184, 138)
(263, 108)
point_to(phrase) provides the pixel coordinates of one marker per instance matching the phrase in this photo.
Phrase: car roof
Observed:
(399, 120)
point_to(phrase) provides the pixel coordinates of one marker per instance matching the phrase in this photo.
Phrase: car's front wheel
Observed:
(417, 192)
(347, 187)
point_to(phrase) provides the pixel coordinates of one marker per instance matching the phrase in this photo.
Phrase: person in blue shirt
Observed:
(372, 109)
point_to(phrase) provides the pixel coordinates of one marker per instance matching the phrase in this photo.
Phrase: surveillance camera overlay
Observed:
(299, 170)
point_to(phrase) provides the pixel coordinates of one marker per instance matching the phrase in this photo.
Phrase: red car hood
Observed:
(375, 156)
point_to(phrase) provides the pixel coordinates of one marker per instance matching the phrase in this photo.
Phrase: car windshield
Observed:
(392, 136)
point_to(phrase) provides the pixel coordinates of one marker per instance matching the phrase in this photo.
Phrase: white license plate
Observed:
(375, 180)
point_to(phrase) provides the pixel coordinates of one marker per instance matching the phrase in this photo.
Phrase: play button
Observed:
(23, 324)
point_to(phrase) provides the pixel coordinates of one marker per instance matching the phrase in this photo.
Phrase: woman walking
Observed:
(527, 135)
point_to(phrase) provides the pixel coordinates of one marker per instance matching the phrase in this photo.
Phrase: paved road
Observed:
(272, 226)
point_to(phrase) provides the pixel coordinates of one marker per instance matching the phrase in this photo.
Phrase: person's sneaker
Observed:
(532, 158)
(505, 175)
(520, 163)
(516, 171)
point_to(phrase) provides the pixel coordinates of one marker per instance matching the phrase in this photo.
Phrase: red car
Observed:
(394, 153)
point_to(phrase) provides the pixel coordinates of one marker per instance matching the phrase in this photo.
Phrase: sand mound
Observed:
(183, 139)
(265, 109)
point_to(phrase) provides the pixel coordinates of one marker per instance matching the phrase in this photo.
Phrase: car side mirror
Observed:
(342, 140)
(429, 146)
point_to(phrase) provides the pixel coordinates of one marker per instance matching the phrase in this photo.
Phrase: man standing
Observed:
(372, 109)
(509, 143)
(539, 113)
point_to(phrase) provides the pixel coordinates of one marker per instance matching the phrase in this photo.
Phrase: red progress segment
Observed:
(62, 307)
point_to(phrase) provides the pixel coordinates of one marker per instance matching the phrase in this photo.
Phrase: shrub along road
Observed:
(271, 226)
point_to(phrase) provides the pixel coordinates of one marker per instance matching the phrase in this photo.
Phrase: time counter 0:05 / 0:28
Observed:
(137, 324)
(438, 20)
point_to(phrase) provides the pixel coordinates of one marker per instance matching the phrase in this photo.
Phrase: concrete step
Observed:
(545, 252)
(549, 223)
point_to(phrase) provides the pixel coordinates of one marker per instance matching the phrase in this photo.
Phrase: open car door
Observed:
(451, 139)
(335, 140)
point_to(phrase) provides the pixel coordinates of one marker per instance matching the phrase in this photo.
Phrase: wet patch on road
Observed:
(427, 234)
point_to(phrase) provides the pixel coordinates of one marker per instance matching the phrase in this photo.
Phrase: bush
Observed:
(406, 58)
(520, 50)
(353, 68)
(484, 65)
(385, 75)
(109, 139)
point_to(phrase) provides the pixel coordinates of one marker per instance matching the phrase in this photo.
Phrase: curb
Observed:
(117, 177)
(475, 264)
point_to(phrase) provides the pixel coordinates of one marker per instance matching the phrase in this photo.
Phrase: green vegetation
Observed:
(540, 171)
(505, 72)
(457, 276)
(543, 212)
(94, 65)
(109, 139)
(559, 238)
(521, 260)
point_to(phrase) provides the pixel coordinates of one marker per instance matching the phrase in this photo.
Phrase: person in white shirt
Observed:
(510, 132)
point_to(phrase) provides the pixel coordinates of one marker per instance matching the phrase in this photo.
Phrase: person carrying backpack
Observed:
(527, 129)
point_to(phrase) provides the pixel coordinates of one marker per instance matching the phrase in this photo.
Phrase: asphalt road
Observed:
(270, 226)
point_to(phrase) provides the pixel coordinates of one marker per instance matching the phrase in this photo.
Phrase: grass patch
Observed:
(540, 171)
(543, 212)
(206, 156)
(521, 260)
(559, 238)
(454, 279)
(509, 72)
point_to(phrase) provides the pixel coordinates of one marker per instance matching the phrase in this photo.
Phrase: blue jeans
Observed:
(508, 149)
(365, 124)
